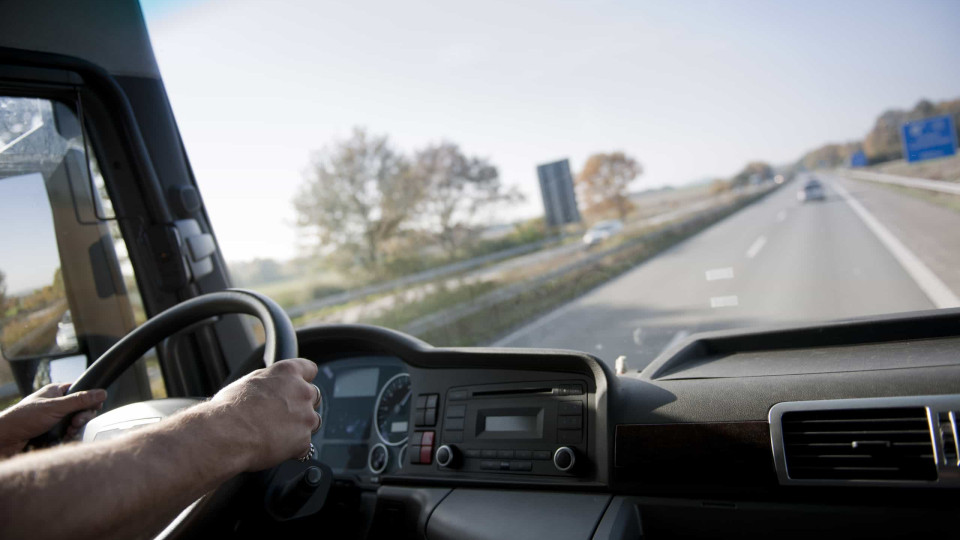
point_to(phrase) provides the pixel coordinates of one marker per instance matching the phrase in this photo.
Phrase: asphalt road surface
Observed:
(865, 250)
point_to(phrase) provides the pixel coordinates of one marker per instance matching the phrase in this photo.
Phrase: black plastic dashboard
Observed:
(520, 443)
(681, 440)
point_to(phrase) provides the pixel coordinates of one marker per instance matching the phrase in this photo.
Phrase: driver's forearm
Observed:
(121, 488)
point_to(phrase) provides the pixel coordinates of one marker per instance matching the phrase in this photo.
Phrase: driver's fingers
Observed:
(52, 390)
(304, 368)
(78, 401)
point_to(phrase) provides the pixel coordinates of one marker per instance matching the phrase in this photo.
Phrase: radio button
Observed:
(570, 408)
(459, 411)
(504, 465)
(458, 395)
(487, 454)
(525, 454)
(471, 453)
(430, 419)
(541, 454)
(431, 401)
(453, 423)
(521, 466)
(571, 390)
(569, 436)
(570, 422)
(505, 454)
(490, 465)
(564, 459)
(453, 436)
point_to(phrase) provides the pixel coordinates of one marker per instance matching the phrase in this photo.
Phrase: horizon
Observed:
(726, 84)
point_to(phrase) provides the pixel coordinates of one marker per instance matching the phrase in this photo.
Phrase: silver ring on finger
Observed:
(316, 402)
(310, 452)
(319, 423)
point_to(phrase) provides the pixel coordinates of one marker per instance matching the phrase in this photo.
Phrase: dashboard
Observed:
(711, 439)
(847, 429)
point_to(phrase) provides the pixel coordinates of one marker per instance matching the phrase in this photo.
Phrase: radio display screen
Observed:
(510, 423)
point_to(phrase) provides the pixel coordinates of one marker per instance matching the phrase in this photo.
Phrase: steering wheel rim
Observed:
(280, 339)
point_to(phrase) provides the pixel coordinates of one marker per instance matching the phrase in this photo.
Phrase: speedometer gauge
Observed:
(392, 410)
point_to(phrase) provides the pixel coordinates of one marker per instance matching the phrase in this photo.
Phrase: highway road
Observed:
(865, 250)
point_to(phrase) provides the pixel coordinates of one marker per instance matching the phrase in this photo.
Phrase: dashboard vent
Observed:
(892, 444)
(949, 436)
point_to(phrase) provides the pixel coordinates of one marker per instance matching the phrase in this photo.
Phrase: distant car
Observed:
(811, 191)
(602, 231)
(66, 333)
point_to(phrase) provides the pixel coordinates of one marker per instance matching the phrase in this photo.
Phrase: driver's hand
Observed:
(272, 410)
(41, 410)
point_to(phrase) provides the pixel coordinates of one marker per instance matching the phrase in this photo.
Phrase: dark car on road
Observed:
(811, 191)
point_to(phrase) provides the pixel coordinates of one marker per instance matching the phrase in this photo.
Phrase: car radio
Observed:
(520, 428)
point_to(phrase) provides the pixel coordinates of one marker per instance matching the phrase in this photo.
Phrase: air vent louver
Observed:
(859, 444)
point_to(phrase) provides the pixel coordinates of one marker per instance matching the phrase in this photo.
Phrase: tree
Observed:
(605, 180)
(456, 187)
(3, 292)
(759, 168)
(357, 196)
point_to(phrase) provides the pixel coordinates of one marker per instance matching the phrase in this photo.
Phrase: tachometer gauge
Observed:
(392, 410)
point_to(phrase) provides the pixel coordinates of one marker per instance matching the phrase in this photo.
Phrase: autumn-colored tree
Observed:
(357, 195)
(455, 188)
(604, 182)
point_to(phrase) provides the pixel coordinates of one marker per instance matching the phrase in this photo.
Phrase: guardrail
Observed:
(942, 186)
(420, 277)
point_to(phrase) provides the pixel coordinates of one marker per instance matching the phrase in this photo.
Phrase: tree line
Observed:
(364, 199)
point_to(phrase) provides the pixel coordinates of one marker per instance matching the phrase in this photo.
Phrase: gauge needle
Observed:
(398, 406)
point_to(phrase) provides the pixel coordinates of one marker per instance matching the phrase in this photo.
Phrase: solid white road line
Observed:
(719, 273)
(756, 246)
(936, 290)
(724, 301)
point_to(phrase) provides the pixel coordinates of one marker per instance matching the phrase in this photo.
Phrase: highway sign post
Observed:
(930, 138)
(559, 197)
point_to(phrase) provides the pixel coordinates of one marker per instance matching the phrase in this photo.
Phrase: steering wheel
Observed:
(280, 340)
(280, 343)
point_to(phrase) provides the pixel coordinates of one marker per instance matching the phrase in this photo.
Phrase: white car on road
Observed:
(602, 231)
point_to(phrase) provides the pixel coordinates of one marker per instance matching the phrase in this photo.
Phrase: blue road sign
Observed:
(858, 159)
(930, 138)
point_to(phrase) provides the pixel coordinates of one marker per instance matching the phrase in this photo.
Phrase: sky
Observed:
(693, 90)
(30, 255)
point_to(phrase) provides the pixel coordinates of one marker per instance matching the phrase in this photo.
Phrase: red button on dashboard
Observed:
(426, 455)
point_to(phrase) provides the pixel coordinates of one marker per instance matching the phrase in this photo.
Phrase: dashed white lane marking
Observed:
(756, 246)
(936, 290)
(781, 215)
(637, 338)
(724, 301)
(719, 273)
(677, 338)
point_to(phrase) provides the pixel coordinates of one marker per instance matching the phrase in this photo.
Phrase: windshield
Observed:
(434, 168)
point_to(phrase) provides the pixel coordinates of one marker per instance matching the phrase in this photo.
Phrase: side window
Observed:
(67, 287)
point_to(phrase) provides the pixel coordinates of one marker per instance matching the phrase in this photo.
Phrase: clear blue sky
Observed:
(692, 89)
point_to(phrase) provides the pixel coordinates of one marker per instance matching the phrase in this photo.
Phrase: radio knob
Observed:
(564, 459)
(448, 457)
